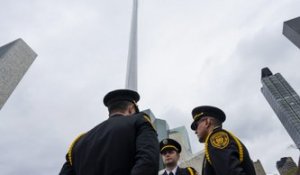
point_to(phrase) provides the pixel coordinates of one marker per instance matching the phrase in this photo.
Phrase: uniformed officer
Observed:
(170, 151)
(126, 143)
(225, 154)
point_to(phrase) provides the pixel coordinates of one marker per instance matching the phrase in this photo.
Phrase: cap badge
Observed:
(198, 115)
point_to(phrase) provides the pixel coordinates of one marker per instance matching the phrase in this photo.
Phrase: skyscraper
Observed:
(259, 169)
(284, 101)
(15, 59)
(286, 166)
(291, 29)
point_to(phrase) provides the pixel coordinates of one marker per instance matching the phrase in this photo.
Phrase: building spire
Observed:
(131, 75)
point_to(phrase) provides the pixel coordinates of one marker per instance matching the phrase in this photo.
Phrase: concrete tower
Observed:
(15, 59)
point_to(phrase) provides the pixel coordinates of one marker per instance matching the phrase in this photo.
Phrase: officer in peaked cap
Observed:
(199, 112)
(225, 154)
(121, 95)
(126, 143)
(169, 144)
(170, 151)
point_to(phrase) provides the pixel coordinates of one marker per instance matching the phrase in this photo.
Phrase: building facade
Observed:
(286, 166)
(259, 169)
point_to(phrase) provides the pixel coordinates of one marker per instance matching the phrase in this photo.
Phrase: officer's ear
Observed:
(209, 122)
(131, 109)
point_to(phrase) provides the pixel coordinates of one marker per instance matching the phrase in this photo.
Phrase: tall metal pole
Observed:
(131, 75)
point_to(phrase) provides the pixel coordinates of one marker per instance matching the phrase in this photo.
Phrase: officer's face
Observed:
(202, 129)
(170, 157)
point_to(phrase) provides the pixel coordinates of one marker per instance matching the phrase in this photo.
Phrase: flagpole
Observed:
(131, 75)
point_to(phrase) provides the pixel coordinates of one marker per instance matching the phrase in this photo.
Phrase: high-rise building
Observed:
(291, 29)
(15, 59)
(284, 101)
(259, 168)
(286, 166)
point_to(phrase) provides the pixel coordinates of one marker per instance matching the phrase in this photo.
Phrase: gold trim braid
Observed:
(71, 147)
(191, 171)
(147, 118)
(241, 150)
(197, 116)
(169, 146)
(206, 149)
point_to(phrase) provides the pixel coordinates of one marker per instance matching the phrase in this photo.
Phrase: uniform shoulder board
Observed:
(146, 116)
(148, 119)
(71, 147)
(219, 140)
(191, 171)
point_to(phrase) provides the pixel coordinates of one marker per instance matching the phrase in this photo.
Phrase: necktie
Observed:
(171, 173)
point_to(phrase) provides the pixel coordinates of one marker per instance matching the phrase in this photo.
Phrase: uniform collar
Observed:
(115, 115)
(173, 171)
(217, 128)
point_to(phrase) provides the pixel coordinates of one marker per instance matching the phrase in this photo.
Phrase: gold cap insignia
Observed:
(197, 116)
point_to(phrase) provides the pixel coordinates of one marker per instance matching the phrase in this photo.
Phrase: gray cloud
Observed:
(190, 53)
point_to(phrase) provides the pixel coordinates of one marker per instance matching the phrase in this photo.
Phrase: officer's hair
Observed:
(215, 121)
(118, 106)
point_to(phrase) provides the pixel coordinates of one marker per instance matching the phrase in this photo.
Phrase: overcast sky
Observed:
(191, 53)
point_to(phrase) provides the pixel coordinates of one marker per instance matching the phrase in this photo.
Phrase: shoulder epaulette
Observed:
(148, 119)
(239, 144)
(191, 170)
(206, 149)
(71, 147)
(222, 145)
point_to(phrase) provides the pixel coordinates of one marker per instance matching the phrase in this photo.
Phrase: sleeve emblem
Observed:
(219, 140)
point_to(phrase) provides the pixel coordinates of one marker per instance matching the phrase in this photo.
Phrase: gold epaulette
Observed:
(240, 147)
(206, 149)
(148, 119)
(191, 171)
(71, 147)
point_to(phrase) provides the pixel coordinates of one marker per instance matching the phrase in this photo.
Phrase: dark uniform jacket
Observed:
(225, 154)
(124, 145)
(183, 171)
